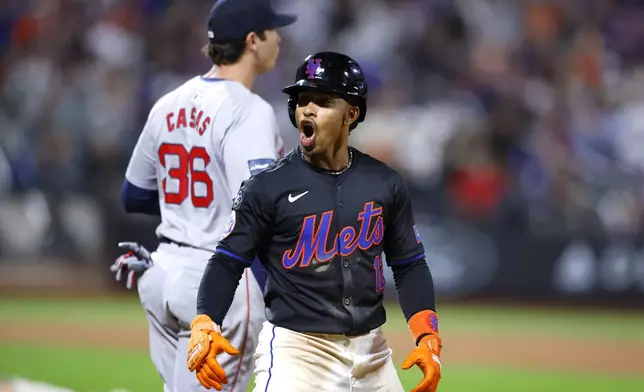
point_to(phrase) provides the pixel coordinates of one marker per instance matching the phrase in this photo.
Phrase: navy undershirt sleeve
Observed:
(218, 285)
(139, 200)
(415, 287)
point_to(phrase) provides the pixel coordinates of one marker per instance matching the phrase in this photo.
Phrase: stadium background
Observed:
(519, 126)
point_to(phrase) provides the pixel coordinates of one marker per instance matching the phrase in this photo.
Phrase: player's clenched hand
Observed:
(427, 357)
(136, 261)
(205, 344)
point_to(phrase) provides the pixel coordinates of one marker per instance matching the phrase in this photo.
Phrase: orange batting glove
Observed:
(205, 344)
(427, 355)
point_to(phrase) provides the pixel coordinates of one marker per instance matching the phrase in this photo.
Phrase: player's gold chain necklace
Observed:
(335, 173)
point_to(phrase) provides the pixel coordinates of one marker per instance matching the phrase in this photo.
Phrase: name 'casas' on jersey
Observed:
(194, 149)
(178, 120)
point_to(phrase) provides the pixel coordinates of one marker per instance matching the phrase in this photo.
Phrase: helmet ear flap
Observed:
(362, 105)
(291, 103)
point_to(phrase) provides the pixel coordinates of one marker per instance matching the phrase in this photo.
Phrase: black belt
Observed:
(356, 334)
(166, 240)
(347, 335)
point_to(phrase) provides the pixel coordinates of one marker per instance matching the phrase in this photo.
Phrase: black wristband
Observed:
(421, 337)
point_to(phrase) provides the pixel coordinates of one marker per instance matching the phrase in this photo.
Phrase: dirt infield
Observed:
(529, 351)
(534, 352)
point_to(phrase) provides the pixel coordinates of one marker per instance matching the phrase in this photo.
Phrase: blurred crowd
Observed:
(525, 113)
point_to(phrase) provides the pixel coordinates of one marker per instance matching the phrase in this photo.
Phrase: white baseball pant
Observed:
(289, 361)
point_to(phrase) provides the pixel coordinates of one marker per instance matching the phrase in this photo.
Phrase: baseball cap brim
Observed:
(281, 20)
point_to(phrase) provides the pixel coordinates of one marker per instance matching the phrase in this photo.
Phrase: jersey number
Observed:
(381, 284)
(186, 173)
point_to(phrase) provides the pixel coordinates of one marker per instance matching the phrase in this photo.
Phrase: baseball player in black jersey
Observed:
(320, 219)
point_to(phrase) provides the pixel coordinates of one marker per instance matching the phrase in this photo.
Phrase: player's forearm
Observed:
(417, 299)
(415, 287)
(138, 200)
(218, 285)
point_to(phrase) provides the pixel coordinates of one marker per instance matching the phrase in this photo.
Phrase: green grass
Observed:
(97, 310)
(504, 320)
(86, 370)
(101, 370)
(462, 379)
(486, 319)
(83, 369)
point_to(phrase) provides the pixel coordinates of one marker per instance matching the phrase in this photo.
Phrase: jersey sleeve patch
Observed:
(257, 165)
(230, 225)
(416, 234)
(238, 199)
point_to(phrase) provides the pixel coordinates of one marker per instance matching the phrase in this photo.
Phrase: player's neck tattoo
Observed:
(337, 172)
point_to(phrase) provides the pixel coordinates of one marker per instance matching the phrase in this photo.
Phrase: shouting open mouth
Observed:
(307, 134)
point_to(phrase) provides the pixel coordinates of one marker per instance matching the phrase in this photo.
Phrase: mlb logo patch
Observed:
(416, 234)
(257, 165)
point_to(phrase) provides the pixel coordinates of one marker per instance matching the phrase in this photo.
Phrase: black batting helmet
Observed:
(330, 72)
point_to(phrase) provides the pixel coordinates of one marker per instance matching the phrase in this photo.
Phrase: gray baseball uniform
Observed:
(199, 143)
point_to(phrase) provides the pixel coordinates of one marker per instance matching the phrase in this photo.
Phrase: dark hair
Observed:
(227, 53)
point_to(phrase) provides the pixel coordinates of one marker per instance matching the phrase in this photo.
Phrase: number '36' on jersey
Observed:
(194, 151)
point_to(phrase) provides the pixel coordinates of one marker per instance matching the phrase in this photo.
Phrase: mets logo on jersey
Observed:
(313, 240)
(230, 225)
(312, 67)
